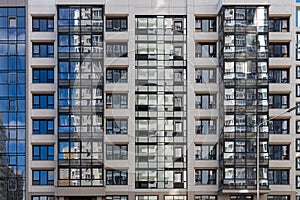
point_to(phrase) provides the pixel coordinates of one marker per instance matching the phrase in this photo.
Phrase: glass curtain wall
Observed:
(80, 95)
(244, 62)
(12, 102)
(160, 118)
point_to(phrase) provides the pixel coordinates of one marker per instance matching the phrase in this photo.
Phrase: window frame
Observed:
(49, 24)
(39, 154)
(40, 180)
(42, 50)
(111, 25)
(49, 78)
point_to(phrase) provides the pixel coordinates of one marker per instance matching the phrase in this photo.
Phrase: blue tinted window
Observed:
(43, 152)
(43, 101)
(43, 50)
(43, 177)
(43, 126)
(43, 76)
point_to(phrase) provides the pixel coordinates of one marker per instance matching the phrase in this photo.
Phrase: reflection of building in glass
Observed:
(150, 100)
(12, 102)
(80, 98)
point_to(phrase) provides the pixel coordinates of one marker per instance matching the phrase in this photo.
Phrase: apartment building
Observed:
(150, 100)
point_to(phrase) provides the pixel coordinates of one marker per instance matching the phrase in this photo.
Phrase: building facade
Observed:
(150, 100)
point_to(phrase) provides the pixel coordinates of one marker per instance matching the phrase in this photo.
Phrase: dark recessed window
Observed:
(205, 176)
(205, 126)
(279, 152)
(116, 76)
(205, 101)
(279, 101)
(205, 50)
(43, 152)
(116, 177)
(279, 126)
(205, 24)
(116, 152)
(41, 24)
(116, 24)
(43, 76)
(278, 76)
(116, 50)
(205, 152)
(279, 25)
(43, 126)
(279, 50)
(42, 177)
(279, 176)
(116, 101)
(43, 101)
(43, 50)
(116, 126)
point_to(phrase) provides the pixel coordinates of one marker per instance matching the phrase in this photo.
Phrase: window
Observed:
(43, 126)
(45, 101)
(205, 126)
(175, 197)
(278, 197)
(279, 50)
(205, 24)
(12, 22)
(298, 90)
(298, 72)
(298, 182)
(116, 197)
(278, 25)
(116, 50)
(42, 24)
(43, 76)
(42, 177)
(278, 76)
(116, 101)
(205, 197)
(298, 108)
(205, 176)
(116, 76)
(279, 101)
(205, 50)
(297, 145)
(114, 24)
(205, 75)
(279, 152)
(205, 101)
(42, 197)
(116, 126)
(43, 152)
(241, 197)
(116, 177)
(298, 126)
(13, 106)
(298, 163)
(279, 176)
(298, 46)
(279, 126)
(140, 197)
(43, 50)
(116, 152)
(205, 152)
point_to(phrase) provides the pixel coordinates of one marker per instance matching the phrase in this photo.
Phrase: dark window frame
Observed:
(39, 105)
(43, 50)
(122, 178)
(116, 24)
(43, 75)
(37, 152)
(40, 180)
(37, 24)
